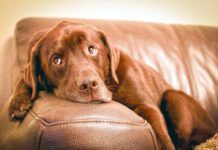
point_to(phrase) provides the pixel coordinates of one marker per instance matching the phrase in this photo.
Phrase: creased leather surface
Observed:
(59, 124)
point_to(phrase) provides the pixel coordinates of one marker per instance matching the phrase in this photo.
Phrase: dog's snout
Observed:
(89, 84)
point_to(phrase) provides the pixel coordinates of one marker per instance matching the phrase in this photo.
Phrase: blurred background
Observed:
(201, 12)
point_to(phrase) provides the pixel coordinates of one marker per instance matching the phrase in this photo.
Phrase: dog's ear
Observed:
(113, 56)
(32, 70)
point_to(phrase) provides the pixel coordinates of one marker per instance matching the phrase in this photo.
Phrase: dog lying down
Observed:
(76, 62)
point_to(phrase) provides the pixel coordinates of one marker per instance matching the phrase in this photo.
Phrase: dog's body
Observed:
(75, 62)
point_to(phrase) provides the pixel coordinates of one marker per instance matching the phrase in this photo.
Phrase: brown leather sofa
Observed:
(187, 57)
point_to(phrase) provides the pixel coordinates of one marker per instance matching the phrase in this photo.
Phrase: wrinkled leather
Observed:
(185, 55)
(59, 124)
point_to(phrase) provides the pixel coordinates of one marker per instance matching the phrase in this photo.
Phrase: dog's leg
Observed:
(20, 101)
(154, 116)
(187, 121)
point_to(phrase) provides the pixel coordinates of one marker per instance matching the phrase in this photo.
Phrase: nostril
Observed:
(88, 84)
(84, 87)
(94, 84)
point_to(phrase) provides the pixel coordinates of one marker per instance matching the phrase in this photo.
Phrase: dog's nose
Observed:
(89, 84)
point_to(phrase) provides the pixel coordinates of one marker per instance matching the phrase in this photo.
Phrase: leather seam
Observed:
(96, 120)
(153, 139)
(39, 133)
(39, 136)
(38, 119)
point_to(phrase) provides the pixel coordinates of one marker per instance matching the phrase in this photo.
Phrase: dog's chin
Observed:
(89, 100)
(94, 99)
(102, 96)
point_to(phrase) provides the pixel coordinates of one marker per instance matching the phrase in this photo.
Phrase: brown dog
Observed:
(75, 62)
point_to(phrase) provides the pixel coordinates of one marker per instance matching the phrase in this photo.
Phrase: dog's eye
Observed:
(57, 60)
(92, 50)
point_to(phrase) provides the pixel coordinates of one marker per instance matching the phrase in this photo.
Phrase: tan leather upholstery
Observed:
(185, 55)
(57, 124)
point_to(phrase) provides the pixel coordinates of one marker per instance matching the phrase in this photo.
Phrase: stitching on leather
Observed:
(38, 119)
(95, 121)
(45, 123)
(39, 133)
(39, 136)
(153, 139)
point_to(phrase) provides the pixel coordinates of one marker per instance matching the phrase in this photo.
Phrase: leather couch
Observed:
(186, 56)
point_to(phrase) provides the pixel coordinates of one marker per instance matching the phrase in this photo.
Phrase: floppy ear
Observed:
(26, 88)
(113, 56)
(32, 70)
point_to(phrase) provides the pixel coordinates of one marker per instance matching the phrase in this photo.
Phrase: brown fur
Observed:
(110, 74)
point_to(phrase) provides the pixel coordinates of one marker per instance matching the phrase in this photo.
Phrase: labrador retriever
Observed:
(76, 62)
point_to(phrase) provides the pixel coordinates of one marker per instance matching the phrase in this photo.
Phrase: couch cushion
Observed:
(59, 124)
(186, 56)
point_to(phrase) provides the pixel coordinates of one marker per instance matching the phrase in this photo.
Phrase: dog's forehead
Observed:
(69, 34)
(66, 28)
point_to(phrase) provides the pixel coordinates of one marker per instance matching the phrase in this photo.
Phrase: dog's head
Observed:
(74, 61)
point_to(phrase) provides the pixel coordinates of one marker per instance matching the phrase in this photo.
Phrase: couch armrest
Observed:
(58, 124)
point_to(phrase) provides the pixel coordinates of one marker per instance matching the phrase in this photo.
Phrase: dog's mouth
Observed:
(102, 96)
(96, 99)
(96, 102)
(99, 97)
(89, 99)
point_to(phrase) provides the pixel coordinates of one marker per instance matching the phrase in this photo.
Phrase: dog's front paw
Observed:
(19, 107)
